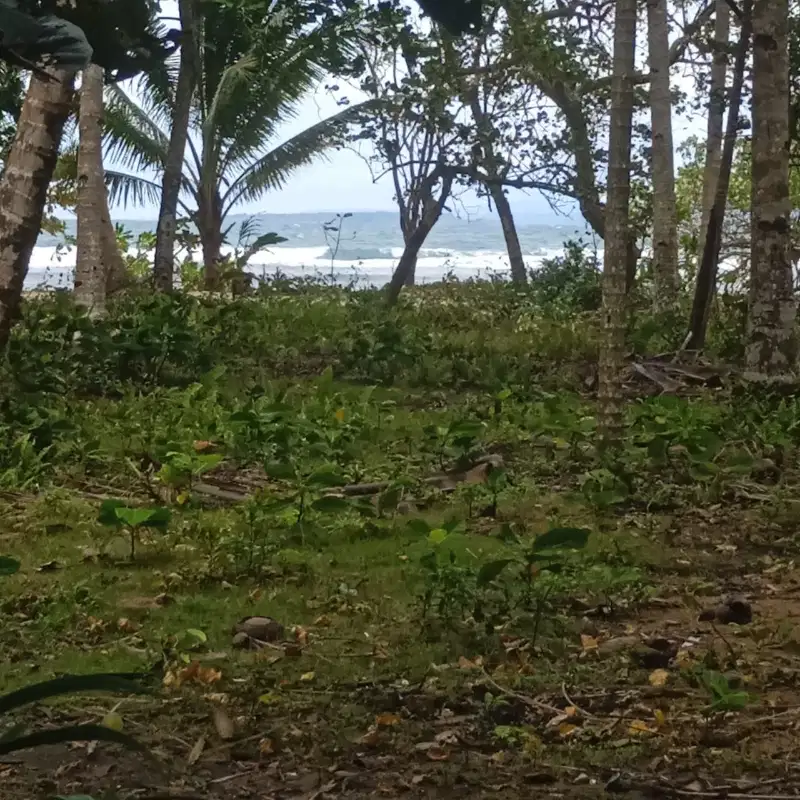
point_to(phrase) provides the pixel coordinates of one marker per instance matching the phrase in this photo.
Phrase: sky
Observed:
(342, 182)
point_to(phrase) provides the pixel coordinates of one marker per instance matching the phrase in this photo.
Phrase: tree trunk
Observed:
(24, 183)
(609, 396)
(113, 262)
(716, 113)
(209, 224)
(665, 215)
(770, 352)
(91, 207)
(164, 260)
(515, 259)
(414, 241)
(709, 262)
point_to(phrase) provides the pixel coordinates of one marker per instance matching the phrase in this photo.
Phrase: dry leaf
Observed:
(113, 720)
(387, 720)
(223, 723)
(465, 663)
(322, 622)
(658, 677)
(638, 727)
(436, 753)
(660, 717)
(300, 635)
(571, 711)
(566, 729)
(196, 751)
(307, 677)
(266, 747)
(371, 737)
(339, 414)
(588, 642)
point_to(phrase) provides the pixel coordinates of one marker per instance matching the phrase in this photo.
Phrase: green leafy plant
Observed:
(180, 469)
(724, 697)
(116, 514)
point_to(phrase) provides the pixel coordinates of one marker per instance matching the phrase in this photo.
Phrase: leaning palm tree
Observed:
(244, 93)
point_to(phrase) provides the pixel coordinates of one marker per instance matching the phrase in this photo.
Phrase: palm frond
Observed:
(131, 137)
(131, 190)
(273, 169)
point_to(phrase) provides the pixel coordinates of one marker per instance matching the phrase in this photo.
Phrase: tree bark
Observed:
(416, 238)
(609, 396)
(490, 163)
(24, 183)
(709, 262)
(519, 273)
(716, 113)
(770, 351)
(92, 207)
(209, 225)
(164, 260)
(665, 215)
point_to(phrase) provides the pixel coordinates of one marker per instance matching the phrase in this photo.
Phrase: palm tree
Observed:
(244, 93)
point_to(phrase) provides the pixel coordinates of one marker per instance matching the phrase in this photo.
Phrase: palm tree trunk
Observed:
(709, 262)
(92, 206)
(771, 351)
(609, 396)
(113, 263)
(209, 224)
(716, 113)
(665, 215)
(164, 262)
(24, 183)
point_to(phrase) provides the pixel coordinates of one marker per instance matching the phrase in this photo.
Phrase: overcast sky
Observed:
(342, 182)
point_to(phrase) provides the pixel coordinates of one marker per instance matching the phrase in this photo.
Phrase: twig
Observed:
(529, 701)
(571, 702)
(241, 775)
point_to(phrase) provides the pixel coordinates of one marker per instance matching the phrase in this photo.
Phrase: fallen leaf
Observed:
(371, 737)
(466, 664)
(48, 566)
(588, 642)
(307, 677)
(571, 711)
(660, 717)
(223, 723)
(300, 635)
(200, 446)
(638, 727)
(387, 720)
(196, 751)
(266, 747)
(114, 721)
(437, 753)
(658, 677)
(566, 729)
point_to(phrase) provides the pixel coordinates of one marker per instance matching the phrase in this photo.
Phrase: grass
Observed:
(430, 644)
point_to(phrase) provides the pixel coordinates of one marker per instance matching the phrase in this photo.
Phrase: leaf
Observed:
(437, 536)
(339, 415)
(566, 729)
(658, 677)
(113, 721)
(280, 472)
(588, 642)
(8, 565)
(491, 570)
(573, 538)
(660, 717)
(639, 728)
(331, 504)
(387, 719)
(307, 677)
(122, 683)
(132, 517)
(326, 476)
(223, 723)
(419, 526)
(108, 512)
(196, 751)
(196, 633)
(507, 535)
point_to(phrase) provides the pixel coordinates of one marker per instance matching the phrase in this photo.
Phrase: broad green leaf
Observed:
(326, 476)
(8, 565)
(330, 504)
(491, 570)
(280, 471)
(133, 517)
(572, 538)
(159, 518)
(437, 536)
(196, 633)
(507, 534)
(419, 526)
(108, 512)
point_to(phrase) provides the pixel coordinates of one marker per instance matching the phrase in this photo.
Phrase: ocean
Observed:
(366, 253)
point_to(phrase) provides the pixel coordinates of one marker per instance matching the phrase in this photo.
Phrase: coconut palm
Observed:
(245, 91)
